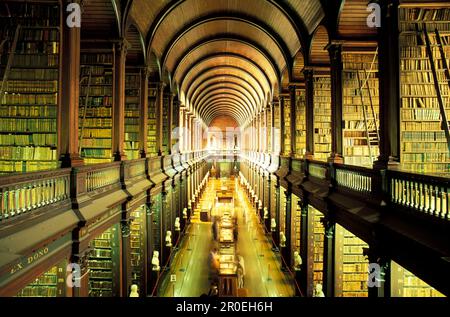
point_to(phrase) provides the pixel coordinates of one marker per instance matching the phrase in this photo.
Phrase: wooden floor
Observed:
(191, 266)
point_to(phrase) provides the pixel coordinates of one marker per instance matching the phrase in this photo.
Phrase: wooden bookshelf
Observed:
(322, 117)
(351, 265)
(152, 149)
(156, 228)
(137, 247)
(287, 126)
(406, 284)
(132, 113)
(277, 129)
(29, 101)
(49, 284)
(300, 121)
(423, 143)
(295, 225)
(360, 108)
(104, 264)
(316, 238)
(165, 126)
(95, 114)
(282, 224)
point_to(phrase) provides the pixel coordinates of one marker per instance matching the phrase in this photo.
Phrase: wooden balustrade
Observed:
(23, 193)
(135, 168)
(102, 175)
(358, 179)
(422, 193)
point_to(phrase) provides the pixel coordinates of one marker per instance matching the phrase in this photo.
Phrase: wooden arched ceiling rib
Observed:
(238, 24)
(225, 94)
(226, 107)
(137, 49)
(269, 11)
(318, 53)
(100, 17)
(228, 85)
(240, 105)
(222, 93)
(225, 59)
(238, 44)
(220, 71)
(225, 79)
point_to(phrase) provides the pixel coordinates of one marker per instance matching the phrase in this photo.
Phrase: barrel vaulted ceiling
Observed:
(225, 57)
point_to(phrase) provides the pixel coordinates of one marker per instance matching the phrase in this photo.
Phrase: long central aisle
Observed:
(191, 264)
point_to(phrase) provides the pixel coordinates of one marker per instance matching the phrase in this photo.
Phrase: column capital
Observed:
(123, 45)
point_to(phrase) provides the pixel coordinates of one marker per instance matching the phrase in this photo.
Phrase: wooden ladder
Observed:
(444, 120)
(10, 61)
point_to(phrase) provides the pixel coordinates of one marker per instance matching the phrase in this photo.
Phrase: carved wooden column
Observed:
(126, 259)
(118, 111)
(335, 51)
(68, 137)
(329, 257)
(389, 79)
(143, 123)
(309, 90)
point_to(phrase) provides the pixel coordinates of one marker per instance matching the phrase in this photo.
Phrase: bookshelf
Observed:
(152, 148)
(423, 143)
(351, 265)
(406, 284)
(278, 138)
(49, 284)
(316, 236)
(29, 100)
(296, 224)
(322, 117)
(165, 126)
(300, 122)
(156, 234)
(103, 264)
(95, 113)
(360, 110)
(287, 126)
(132, 113)
(282, 220)
(137, 247)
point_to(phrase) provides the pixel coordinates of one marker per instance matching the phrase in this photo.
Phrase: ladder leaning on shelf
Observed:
(86, 104)
(444, 120)
(370, 123)
(10, 61)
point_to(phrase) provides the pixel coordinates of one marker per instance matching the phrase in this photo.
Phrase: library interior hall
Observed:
(224, 148)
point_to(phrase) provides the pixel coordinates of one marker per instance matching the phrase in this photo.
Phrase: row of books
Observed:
(424, 14)
(29, 139)
(101, 253)
(358, 160)
(28, 111)
(354, 124)
(419, 136)
(96, 133)
(34, 74)
(97, 264)
(25, 125)
(26, 166)
(421, 77)
(96, 122)
(96, 143)
(37, 48)
(96, 152)
(100, 71)
(422, 126)
(422, 147)
(28, 153)
(97, 111)
(46, 14)
(426, 157)
(29, 99)
(88, 58)
(44, 35)
(423, 89)
(132, 113)
(18, 86)
(421, 114)
(132, 145)
(420, 64)
(97, 91)
(25, 60)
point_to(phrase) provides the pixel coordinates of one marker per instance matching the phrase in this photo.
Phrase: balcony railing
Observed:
(23, 193)
(424, 194)
(420, 194)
